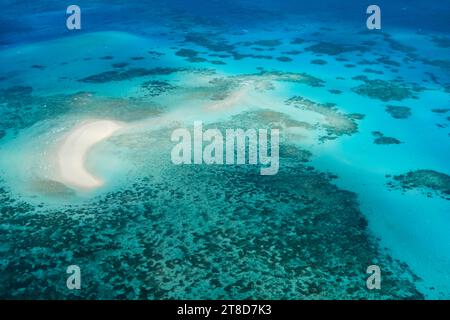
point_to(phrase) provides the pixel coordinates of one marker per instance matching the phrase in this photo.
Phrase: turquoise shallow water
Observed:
(364, 176)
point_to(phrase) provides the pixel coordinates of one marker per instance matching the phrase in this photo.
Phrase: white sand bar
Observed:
(73, 150)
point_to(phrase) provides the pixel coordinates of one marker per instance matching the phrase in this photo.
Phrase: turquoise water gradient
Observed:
(155, 230)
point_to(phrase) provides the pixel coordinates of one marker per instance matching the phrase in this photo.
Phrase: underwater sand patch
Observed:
(72, 152)
(51, 188)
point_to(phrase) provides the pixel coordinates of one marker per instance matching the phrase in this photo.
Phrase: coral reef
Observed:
(319, 62)
(380, 138)
(155, 88)
(383, 90)
(268, 43)
(114, 75)
(428, 181)
(196, 233)
(399, 112)
(334, 49)
(441, 41)
(284, 59)
(120, 65)
(335, 124)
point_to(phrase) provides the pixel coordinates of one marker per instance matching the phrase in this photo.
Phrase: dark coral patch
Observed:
(387, 61)
(441, 41)
(399, 112)
(190, 55)
(219, 55)
(197, 59)
(210, 41)
(369, 70)
(284, 59)
(443, 64)
(428, 181)
(297, 41)
(293, 77)
(383, 90)
(380, 138)
(336, 123)
(15, 93)
(38, 66)
(319, 62)
(292, 52)
(155, 53)
(444, 110)
(334, 49)
(187, 53)
(155, 88)
(119, 65)
(297, 222)
(268, 43)
(217, 62)
(398, 46)
(129, 74)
